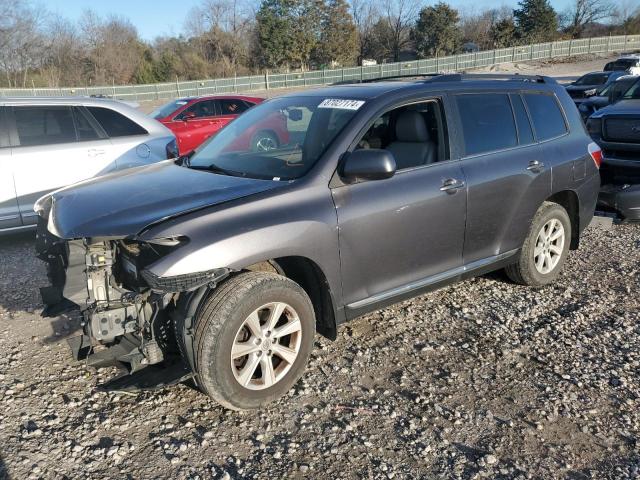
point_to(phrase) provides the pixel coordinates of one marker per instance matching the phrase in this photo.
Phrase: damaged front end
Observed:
(131, 318)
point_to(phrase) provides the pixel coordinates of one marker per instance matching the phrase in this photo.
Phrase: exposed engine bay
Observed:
(130, 318)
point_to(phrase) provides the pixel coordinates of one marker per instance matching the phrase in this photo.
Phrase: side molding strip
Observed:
(425, 282)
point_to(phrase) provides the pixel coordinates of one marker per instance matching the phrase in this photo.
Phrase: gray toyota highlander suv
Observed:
(221, 267)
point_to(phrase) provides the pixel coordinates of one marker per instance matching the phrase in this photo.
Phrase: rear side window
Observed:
(487, 122)
(525, 133)
(232, 107)
(548, 120)
(115, 124)
(44, 125)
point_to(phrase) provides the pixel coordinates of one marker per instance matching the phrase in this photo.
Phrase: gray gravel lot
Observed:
(484, 379)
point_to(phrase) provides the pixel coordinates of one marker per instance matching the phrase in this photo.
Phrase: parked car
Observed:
(588, 85)
(608, 95)
(616, 129)
(48, 143)
(195, 119)
(221, 269)
(627, 63)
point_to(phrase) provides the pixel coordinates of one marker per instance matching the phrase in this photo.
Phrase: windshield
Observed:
(169, 108)
(280, 139)
(593, 79)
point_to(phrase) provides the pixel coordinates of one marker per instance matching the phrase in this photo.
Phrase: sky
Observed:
(155, 18)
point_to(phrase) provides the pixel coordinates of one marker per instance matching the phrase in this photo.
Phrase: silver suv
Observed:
(48, 143)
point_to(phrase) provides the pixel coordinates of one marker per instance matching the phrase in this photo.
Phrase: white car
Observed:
(48, 143)
(629, 63)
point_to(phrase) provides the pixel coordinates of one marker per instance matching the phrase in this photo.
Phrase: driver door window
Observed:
(415, 134)
(203, 109)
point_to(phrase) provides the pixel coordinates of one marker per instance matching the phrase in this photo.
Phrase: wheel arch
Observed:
(308, 274)
(568, 199)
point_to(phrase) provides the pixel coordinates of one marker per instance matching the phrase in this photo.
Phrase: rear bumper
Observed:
(624, 199)
(588, 196)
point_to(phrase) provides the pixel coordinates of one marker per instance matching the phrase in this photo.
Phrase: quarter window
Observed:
(115, 124)
(548, 120)
(44, 125)
(487, 122)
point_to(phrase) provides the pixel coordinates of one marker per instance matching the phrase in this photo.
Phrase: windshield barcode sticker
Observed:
(341, 103)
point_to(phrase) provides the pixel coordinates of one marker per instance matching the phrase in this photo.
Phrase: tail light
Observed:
(172, 149)
(596, 153)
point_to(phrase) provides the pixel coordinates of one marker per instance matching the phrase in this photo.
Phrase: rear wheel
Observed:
(253, 338)
(545, 249)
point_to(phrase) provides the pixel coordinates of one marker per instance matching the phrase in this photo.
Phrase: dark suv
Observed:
(221, 267)
(616, 129)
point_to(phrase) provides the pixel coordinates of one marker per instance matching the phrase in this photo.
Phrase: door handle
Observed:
(451, 185)
(93, 152)
(535, 166)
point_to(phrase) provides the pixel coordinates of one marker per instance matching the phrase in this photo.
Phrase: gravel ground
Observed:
(483, 379)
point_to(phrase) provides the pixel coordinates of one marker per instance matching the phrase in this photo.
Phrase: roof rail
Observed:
(458, 77)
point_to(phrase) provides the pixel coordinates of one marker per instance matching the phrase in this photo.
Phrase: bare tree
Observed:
(400, 16)
(365, 15)
(586, 12)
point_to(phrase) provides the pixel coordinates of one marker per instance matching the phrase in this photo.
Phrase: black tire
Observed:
(524, 271)
(264, 141)
(221, 318)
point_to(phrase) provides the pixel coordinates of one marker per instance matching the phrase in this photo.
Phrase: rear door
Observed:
(55, 146)
(127, 140)
(229, 109)
(505, 171)
(9, 211)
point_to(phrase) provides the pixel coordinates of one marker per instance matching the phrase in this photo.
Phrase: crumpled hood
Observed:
(123, 203)
(623, 107)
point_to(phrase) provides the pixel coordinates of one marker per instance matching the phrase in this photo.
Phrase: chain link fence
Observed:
(252, 83)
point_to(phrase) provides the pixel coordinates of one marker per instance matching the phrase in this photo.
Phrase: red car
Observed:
(195, 119)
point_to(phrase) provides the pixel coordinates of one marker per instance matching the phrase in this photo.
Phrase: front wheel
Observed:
(253, 338)
(545, 249)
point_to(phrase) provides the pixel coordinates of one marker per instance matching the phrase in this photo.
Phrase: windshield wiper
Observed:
(216, 169)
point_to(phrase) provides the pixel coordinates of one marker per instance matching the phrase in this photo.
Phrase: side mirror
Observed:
(369, 164)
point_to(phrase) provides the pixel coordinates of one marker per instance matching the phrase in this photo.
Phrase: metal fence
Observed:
(452, 63)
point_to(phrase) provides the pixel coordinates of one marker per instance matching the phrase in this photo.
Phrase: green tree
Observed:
(503, 33)
(287, 32)
(536, 21)
(338, 37)
(437, 31)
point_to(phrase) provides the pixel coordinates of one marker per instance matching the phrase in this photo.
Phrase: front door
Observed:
(399, 234)
(9, 212)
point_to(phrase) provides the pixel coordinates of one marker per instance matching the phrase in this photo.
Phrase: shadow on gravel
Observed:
(4, 473)
(21, 272)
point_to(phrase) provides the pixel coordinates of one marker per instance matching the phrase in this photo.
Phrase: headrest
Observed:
(410, 127)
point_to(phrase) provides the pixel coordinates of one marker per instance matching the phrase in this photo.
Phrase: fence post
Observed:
(177, 86)
(495, 53)
(380, 71)
(570, 46)
(456, 62)
(235, 82)
(437, 63)
(551, 51)
(608, 42)
(531, 51)
(342, 71)
(589, 48)
(361, 72)
(113, 87)
(266, 79)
